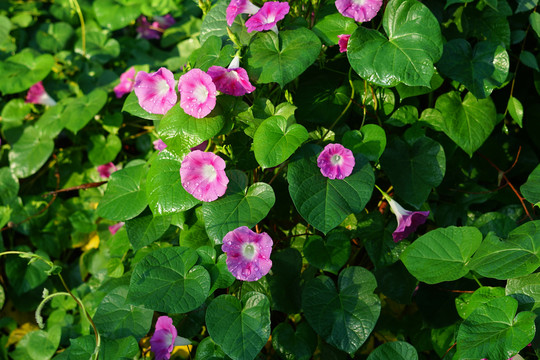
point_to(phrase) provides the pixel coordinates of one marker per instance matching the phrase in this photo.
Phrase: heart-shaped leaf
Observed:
(526, 290)
(114, 15)
(466, 303)
(168, 280)
(469, 122)
(275, 140)
(282, 58)
(407, 56)
(396, 350)
(103, 150)
(125, 196)
(240, 328)
(166, 195)
(414, 167)
(369, 141)
(146, 228)
(494, 331)
(531, 188)
(235, 209)
(9, 185)
(481, 70)
(23, 70)
(30, 152)
(330, 24)
(442, 254)
(329, 254)
(323, 202)
(343, 317)
(53, 37)
(81, 110)
(297, 345)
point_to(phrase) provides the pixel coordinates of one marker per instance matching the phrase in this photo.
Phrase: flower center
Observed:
(336, 160)
(209, 173)
(249, 251)
(162, 87)
(200, 93)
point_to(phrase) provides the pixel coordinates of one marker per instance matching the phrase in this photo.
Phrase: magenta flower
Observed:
(343, 42)
(203, 175)
(164, 22)
(162, 342)
(148, 30)
(268, 16)
(159, 145)
(114, 228)
(248, 253)
(336, 161)
(197, 93)
(155, 91)
(237, 7)
(202, 146)
(106, 170)
(127, 80)
(231, 81)
(359, 10)
(407, 220)
(37, 95)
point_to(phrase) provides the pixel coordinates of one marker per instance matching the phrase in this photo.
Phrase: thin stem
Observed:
(477, 281)
(78, 187)
(75, 5)
(344, 110)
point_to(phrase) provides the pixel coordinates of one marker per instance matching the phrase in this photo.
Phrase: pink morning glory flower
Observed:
(165, 338)
(248, 253)
(37, 95)
(156, 91)
(203, 175)
(343, 42)
(159, 145)
(359, 10)
(106, 170)
(268, 16)
(197, 93)
(114, 228)
(408, 221)
(127, 80)
(237, 7)
(165, 21)
(336, 161)
(231, 81)
(155, 29)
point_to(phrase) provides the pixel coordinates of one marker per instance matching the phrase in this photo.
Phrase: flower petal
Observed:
(359, 10)
(155, 91)
(197, 93)
(203, 175)
(268, 16)
(336, 161)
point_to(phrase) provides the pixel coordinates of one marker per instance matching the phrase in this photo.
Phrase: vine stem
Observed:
(75, 5)
(344, 110)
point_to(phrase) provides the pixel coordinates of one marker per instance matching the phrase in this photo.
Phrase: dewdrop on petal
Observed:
(203, 175)
(268, 16)
(197, 93)
(156, 91)
(233, 80)
(359, 10)
(336, 161)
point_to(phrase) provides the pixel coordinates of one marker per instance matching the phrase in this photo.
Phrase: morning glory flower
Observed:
(203, 175)
(343, 42)
(408, 221)
(155, 29)
(268, 16)
(233, 80)
(202, 146)
(156, 91)
(336, 161)
(197, 93)
(127, 80)
(165, 338)
(106, 170)
(113, 229)
(37, 95)
(248, 253)
(237, 7)
(359, 10)
(159, 145)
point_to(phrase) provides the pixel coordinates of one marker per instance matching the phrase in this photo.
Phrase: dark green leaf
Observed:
(329, 254)
(526, 290)
(103, 150)
(531, 188)
(81, 110)
(529, 59)
(9, 186)
(99, 47)
(23, 70)
(53, 37)
(211, 54)
(146, 228)
(114, 15)
(397, 350)
(294, 345)
(369, 141)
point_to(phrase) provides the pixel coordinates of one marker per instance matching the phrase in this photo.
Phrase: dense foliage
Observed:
(417, 238)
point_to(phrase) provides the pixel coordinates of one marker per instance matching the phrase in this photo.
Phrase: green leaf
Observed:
(369, 141)
(51, 123)
(181, 131)
(297, 345)
(331, 24)
(99, 47)
(81, 110)
(115, 318)
(284, 281)
(168, 280)
(281, 58)
(329, 254)
(407, 56)
(516, 110)
(14, 112)
(211, 53)
(23, 70)
(125, 196)
(404, 115)
(82, 348)
(240, 328)
(529, 59)
(481, 70)
(494, 331)
(531, 188)
(53, 37)
(534, 20)
(467, 303)
(237, 209)
(23, 276)
(209, 350)
(103, 150)
(518, 255)
(9, 186)
(526, 5)
(30, 152)
(526, 290)
(469, 122)
(397, 350)
(38, 345)
(414, 167)
(131, 106)
(146, 228)
(488, 24)
(442, 254)
(275, 140)
(114, 14)
(323, 202)
(343, 317)
(215, 24)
